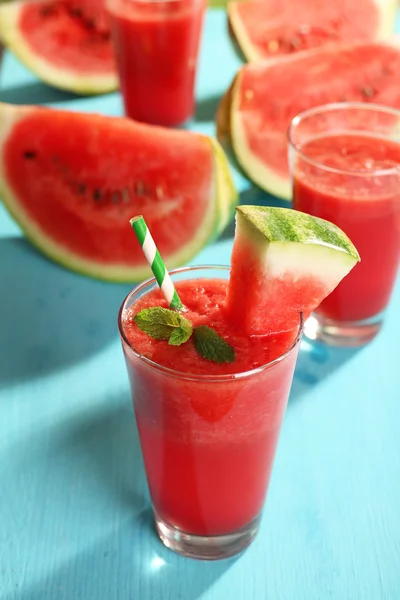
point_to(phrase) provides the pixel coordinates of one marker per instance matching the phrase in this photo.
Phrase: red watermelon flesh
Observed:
(66, 43)
(62, 31)
(283, 263)
(261, 303)
(73, 182)
(273, 28)
(266, 96)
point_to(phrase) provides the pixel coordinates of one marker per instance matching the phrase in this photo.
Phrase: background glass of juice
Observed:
(156, 45)
(208, 440)
(345, 165)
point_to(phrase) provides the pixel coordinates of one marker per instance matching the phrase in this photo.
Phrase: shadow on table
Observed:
(318, 361)
(49, 316)
(206, 109)
(128, 564)
(35, 93)
(98, 459)
(104, 447)
(257, 196)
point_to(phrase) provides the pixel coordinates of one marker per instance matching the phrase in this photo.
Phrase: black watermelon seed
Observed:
(140, 189)
(47, 10)
(30, 154)
(116, 197)
(97, 195)
(81, 188)
(76, 12)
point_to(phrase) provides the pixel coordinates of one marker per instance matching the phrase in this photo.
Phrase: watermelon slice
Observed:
(256, 111)
(66, 43)
(283, 262)
(275, 28)
(72, 181)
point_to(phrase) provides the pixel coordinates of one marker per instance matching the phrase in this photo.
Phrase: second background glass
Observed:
(345, 165)
(156, 45)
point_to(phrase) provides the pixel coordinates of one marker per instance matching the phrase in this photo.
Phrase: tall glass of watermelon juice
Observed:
(345, 163)
(156, 44)
(208, 431)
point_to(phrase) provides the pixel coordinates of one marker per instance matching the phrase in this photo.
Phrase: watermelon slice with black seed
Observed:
(73, 181)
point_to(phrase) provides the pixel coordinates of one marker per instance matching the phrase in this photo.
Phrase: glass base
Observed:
(206, 547)
(342, 333)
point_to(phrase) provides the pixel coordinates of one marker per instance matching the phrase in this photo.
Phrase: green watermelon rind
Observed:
(64, 79)
(387, 12)
(240, 38)
(256, 170)
(233, 139)
(284, 262)
(221, 210)
(227, 196)
(293, 246)
(286, 226)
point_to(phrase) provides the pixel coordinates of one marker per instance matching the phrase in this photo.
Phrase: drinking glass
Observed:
(156, 46)
(345, 167)
(208, 441)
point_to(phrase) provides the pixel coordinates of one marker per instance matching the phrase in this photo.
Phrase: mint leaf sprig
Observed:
(166, 324)
(212, 346)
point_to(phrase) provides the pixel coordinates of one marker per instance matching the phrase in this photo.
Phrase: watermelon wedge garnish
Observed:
(256, 112)
(276, 28)
(66, 43)
(73, 181)
(283, 262)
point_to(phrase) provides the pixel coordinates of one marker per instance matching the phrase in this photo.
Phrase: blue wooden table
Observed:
(74, 509)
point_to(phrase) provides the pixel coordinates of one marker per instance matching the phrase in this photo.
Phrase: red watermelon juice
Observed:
(353, 180)
(156, 44)
(208, 431)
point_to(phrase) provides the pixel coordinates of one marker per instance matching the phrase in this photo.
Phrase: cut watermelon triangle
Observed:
(73, 181)
(256, 111)
(276, 28)
(62, 43)
(284, 263)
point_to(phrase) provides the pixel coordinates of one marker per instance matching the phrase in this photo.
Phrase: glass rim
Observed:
(324, 108)
(198, 376)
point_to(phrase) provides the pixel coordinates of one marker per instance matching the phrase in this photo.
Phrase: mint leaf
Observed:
(211, 346)
(164, 324)
(180, 336)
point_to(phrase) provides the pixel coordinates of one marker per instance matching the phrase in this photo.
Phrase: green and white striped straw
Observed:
(156, 262)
